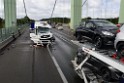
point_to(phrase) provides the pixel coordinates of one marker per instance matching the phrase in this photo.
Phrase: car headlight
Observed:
(107, 33)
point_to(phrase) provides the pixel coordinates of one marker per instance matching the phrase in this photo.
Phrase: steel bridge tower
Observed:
(10, 13)
(121, 16)
(76, 13)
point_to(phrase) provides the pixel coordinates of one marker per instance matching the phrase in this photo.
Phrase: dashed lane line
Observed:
(57, 66)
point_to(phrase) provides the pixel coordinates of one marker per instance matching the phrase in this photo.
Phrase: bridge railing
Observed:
(6, 33)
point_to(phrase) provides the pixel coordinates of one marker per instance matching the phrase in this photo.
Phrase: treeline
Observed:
(23, 20)
(67, 20)
(19, 21)
(113, 20)
(1, 23)
(57, 20)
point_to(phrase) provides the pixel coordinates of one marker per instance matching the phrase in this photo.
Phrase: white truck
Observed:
(41, 34)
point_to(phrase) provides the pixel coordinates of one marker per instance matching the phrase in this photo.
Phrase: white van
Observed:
(42, 34)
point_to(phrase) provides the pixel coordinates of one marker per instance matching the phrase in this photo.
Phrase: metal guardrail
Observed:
(5, 33)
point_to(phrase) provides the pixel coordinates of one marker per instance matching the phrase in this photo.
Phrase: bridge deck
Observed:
(22, 63)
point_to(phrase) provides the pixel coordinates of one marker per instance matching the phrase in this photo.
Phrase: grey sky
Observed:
(38, 9)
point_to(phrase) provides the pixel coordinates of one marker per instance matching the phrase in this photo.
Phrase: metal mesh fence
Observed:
(5, 33)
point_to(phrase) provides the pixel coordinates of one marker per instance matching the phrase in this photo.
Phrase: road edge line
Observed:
(57, 66)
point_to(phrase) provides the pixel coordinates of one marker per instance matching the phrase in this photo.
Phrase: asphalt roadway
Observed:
(21, 62)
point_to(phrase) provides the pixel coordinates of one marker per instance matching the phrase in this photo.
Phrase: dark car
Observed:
(101, 32)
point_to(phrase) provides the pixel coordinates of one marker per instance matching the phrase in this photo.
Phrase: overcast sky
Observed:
(38, 9)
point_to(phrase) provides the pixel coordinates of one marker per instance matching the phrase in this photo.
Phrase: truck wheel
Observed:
(53, 39)
(120, 50)
(34, 44)
(98, 42)
(44, 45)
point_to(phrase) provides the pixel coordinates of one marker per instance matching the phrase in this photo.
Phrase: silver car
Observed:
(119, 42)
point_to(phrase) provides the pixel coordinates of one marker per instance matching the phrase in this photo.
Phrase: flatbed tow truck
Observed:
(114, 67)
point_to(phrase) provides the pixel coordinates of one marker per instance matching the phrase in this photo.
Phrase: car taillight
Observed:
(118, 30)
(114, 56)
(122, 60)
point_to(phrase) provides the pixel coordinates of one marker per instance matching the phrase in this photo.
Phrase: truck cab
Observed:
(41, 34)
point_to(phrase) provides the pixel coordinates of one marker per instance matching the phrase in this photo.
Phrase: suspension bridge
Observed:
(21, 62)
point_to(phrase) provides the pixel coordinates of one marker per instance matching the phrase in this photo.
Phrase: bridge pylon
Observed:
(10, 13)
(121, 16)
(76, 13)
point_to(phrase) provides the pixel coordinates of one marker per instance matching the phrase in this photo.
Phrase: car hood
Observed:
(112, 29)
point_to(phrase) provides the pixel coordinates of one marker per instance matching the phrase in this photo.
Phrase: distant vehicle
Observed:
(42, 34)
(101, 32)
(119, 42)
(59, 26)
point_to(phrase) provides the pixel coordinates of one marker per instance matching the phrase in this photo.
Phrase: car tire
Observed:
(120, 50)
(106, 74)
(98, 42)
(53, 39)
(79, 38)
(45, 45)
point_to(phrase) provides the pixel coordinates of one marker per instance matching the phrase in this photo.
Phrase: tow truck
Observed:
(41, 34)
(97, 66)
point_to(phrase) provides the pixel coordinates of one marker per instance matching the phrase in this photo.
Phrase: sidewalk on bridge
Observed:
(22, 63)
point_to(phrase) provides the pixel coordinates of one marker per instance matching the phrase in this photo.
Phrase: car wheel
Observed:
(53, 39)
(79, 38)
(106, 74)
(120, 51)
(45, 45)
(98, 42)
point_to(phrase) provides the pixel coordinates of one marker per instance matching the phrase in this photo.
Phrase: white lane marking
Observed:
(57, 66)
(63, 33)
(66, 40)
(76, 43)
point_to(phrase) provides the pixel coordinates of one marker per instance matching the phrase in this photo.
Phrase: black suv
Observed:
(101, 32)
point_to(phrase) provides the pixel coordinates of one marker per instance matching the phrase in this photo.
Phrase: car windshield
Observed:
(104, 23)
(43, 29)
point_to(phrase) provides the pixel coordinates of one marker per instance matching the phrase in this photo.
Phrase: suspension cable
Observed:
(25, 8)
(63, 11)
(84, 3)
(53, 8)
(87, 8)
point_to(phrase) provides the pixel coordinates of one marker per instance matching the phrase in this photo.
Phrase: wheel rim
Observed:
(122, 52)
(98, 42)
(106, 75)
